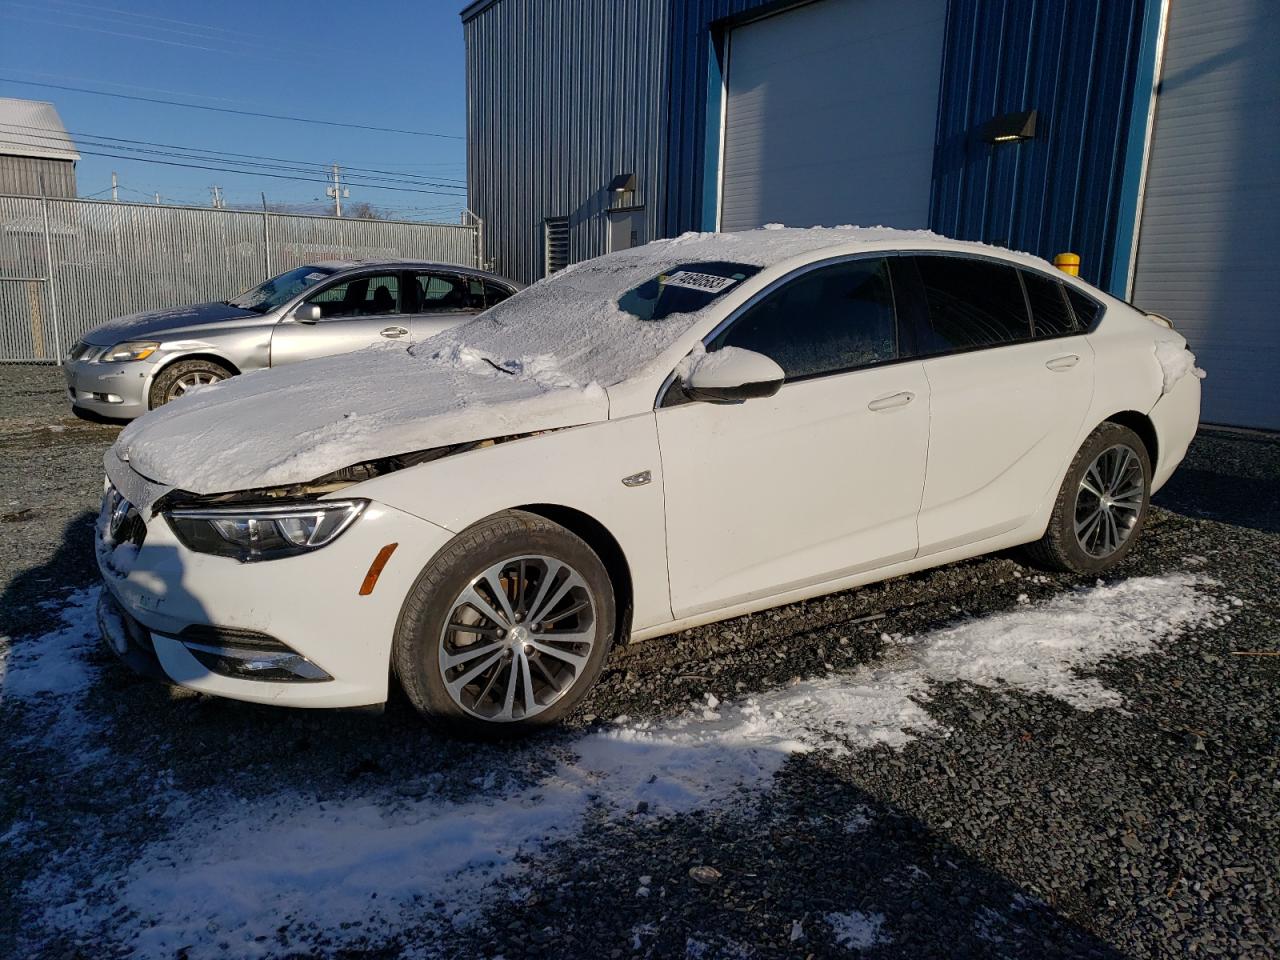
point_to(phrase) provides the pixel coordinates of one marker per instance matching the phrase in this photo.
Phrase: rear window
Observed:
(1086, 308)
(971, 304)
(1050, 314)
(687, 288)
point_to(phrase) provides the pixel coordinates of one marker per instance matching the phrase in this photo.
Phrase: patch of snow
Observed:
(229, 873)
(857, 931)
(53, 665)
(1176, 361)
(50, 674)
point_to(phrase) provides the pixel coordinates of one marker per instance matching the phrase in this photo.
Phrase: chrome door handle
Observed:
(394, 333)
(1058, 364)
(891, 401)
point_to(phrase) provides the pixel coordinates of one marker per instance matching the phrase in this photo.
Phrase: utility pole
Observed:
(337, 191)
(115, 188)
(216, 192)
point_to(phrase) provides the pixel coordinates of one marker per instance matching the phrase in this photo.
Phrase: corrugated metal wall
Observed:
(111, 259)
(1211, 221)
(562, 96)
(563, 93)
(36, 176)
(1075, 63)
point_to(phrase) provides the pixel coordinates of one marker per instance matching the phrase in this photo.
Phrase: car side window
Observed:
(448, 293)
(494, 294)
(368, 296)
(969, 303)
(1051, 315)
(1086, 309)
(828, 320)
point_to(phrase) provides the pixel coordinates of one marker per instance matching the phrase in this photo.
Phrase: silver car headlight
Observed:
(130, 350)
(264, 532)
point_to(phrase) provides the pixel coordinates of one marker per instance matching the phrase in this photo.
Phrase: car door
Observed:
(442, 299)
(821, 480)
(1008, 391)
(354, 313)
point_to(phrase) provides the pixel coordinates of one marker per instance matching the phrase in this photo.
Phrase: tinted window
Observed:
(684, 289)
(1086, 308)
(831, 319)
(361, 297)
(494, 293)
(969, 303)
(1050, 314)
(447, 293)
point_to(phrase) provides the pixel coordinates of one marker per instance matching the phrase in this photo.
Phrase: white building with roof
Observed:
(37, 156)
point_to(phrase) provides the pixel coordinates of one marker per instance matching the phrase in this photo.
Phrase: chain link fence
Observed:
(68, 265)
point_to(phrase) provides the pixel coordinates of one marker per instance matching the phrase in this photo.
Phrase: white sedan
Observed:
(663, 437)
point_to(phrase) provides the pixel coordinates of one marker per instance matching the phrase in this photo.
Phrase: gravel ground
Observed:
(1020, 826)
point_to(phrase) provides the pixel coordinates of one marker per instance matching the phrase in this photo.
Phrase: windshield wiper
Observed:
(510, 373)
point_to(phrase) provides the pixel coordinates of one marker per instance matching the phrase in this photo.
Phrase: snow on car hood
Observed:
(537, 361)
(296, 423)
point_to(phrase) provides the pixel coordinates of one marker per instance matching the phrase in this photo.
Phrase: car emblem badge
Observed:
(637, 479)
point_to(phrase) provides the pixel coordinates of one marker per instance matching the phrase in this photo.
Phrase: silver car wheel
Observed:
(188, 382)
(1109, 501)
(517, 638)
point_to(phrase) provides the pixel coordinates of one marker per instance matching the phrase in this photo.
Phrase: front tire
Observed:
(182, 377)
(1101, 507)
(507, 629)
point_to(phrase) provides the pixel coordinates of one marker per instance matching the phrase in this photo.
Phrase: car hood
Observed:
(140, 326)
(297, 423)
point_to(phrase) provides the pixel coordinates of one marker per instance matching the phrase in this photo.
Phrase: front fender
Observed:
(581, 468)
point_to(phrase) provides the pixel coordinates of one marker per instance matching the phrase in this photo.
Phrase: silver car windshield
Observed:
(279, 290)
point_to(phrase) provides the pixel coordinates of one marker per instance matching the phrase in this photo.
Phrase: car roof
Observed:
(403, 262)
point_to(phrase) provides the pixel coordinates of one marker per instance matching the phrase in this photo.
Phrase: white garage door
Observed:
(830, 115)
(1211, 219)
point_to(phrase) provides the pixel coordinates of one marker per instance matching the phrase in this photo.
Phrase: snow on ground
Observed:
(357, 869)
(857, 931)
(50, 673)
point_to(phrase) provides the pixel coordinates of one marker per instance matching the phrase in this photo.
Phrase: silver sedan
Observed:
(128, 366)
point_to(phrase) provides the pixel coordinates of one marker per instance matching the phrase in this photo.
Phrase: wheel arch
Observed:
(1142, 425)
(606, 546)
(182, 358)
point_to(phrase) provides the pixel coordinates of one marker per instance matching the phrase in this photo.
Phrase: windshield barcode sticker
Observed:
(706, 282)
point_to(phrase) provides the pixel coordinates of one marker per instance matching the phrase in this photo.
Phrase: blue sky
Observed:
(374, 63)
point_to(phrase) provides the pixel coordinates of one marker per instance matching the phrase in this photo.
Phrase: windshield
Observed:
(278, 291)
(685, 289)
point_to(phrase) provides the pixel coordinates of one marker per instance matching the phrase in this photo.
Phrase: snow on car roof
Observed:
(570, 330)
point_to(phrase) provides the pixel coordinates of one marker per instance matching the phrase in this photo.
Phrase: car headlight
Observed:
(266, 532)
(131, 350)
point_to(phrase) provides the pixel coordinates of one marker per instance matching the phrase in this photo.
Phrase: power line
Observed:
(247, 173)
(203, 153)
(242, 113)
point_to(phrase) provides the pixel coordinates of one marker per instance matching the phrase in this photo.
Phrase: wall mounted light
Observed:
(1010, 127)
(623, 183)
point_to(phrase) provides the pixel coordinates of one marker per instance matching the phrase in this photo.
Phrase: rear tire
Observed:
(181, 377)
(541, 610)
(1101, 507)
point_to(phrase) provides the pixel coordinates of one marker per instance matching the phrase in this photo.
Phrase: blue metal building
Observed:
(1132, 132)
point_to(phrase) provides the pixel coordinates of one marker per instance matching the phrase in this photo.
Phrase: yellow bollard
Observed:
(1068, 263)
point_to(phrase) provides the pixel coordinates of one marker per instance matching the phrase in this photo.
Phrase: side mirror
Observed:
(306, 313)
(731, 375)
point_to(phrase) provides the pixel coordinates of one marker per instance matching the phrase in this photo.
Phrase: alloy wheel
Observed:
(189, 381)
(517, 638)
(1109, 501)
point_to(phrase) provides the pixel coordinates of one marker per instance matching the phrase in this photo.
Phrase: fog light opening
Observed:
(249, 663)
